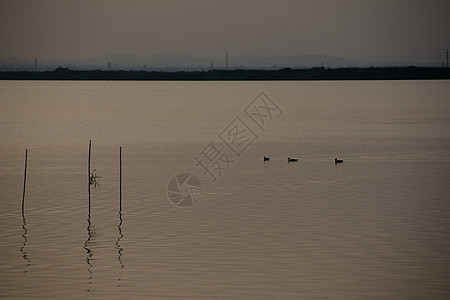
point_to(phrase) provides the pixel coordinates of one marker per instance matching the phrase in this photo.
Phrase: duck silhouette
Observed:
(292, 159)
(266, 158)
(338, 161)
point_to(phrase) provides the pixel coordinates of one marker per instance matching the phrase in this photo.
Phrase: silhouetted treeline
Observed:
(383, 73)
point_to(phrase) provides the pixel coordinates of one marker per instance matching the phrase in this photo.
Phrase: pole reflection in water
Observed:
(120, 249)
(24, 243)
(89, 243)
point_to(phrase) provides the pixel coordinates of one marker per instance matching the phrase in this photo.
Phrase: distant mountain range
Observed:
(172, 62)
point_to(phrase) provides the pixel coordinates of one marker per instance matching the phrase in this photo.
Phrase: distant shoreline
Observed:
(286, 74)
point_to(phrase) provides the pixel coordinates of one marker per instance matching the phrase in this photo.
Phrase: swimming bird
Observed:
(292, 159)
(266, 158)
(338, 161)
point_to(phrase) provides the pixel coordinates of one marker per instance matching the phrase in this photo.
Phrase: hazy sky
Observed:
(381, 30)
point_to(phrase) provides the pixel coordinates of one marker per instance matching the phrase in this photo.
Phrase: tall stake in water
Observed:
(118, 247)
(89, 164)
(24, 224)
(24, 181)
(120, 179)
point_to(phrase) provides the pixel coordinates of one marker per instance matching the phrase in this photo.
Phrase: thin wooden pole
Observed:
(24, 181)
(89, 164)
(120, 178)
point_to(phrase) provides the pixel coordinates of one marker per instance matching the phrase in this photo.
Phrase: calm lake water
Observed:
(376, 226)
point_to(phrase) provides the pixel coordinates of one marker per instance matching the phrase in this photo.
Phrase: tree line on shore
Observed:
(317, 73)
